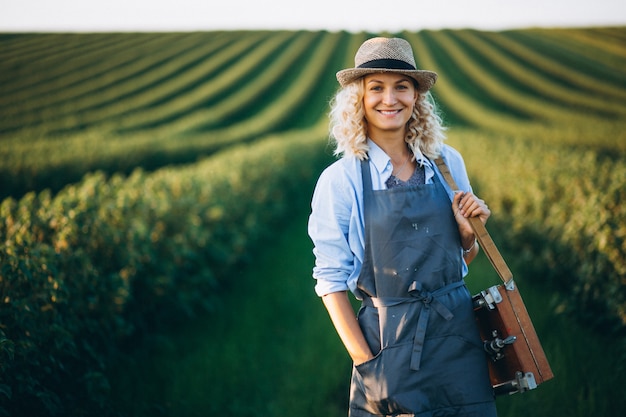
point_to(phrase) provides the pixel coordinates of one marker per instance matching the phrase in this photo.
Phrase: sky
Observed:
(351, 15)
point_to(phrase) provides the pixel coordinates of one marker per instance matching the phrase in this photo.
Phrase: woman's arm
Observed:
(345, 322)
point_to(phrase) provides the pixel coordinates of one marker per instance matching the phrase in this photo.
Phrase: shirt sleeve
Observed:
(329, 224)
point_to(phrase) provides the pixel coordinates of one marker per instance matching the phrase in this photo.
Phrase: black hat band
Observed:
(388, 64)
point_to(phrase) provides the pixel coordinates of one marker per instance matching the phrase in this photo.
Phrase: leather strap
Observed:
(481, 233)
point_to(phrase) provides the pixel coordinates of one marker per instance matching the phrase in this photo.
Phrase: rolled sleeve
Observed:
(329, 227)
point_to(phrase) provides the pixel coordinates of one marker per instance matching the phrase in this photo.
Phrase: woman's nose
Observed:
(389, 97)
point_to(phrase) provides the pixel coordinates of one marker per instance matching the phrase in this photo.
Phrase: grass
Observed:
(270, 350)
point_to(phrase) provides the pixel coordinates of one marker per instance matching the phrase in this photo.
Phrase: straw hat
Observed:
(387, 55)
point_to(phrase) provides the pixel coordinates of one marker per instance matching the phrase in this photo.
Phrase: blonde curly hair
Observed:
(348, 126)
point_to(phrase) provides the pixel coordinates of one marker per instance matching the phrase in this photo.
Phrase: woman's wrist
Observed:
(469, 249)
(361, 359)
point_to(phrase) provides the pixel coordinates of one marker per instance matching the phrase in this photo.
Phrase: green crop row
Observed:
(145, 79)
(594, 62)
(283, 84)
(593, 43)
(512, 86)
(201, 86)
(145, 100)
(99, 85)
(93, 98)
(555, 70)
(517, 101)
(549, 91)
(89, 66)
(109, 258)
(61, 53)
(258, 98)
(461, 105)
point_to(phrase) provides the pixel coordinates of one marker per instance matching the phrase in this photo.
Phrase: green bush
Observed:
(109, 258)
(560, 210)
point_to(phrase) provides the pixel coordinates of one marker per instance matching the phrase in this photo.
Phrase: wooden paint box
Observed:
(517, 361)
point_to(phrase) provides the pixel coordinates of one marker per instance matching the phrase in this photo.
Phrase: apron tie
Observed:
(428, 299)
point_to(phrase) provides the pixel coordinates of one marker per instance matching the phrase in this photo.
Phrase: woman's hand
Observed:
(466, 205)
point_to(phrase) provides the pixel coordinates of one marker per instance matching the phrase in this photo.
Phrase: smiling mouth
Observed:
(389, 112)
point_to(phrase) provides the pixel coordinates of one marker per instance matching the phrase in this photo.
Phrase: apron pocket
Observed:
(380, 382)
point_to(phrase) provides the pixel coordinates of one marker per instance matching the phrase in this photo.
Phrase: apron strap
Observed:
(366, 176)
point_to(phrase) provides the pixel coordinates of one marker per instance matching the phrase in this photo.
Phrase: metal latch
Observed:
(488, 298)
(521, 383)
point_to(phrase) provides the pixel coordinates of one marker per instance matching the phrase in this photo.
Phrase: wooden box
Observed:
(517, 362)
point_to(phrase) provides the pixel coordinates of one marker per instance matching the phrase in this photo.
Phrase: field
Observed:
(139, 171)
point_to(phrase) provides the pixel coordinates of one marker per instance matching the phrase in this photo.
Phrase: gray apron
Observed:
(417, 314)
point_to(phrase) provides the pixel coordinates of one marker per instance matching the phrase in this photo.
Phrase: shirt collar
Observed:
(381, 160)
(378, 157)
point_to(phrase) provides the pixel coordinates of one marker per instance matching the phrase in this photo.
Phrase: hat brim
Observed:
(425, 79)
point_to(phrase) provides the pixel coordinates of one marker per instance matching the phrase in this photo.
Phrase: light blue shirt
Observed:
(336, 223)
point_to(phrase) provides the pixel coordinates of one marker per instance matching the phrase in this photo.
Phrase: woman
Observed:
(386, 226)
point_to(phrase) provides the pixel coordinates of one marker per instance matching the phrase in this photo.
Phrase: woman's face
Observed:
(388, 102)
